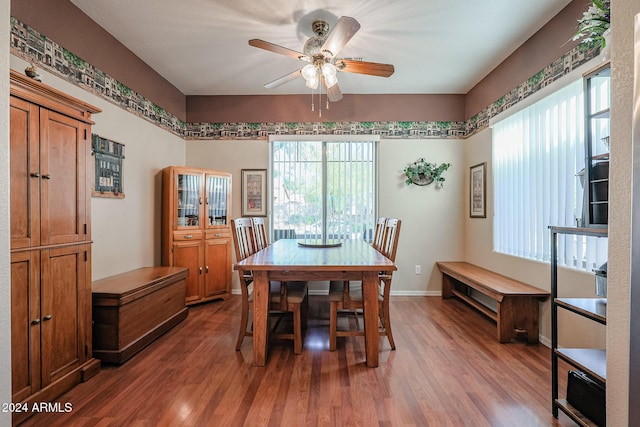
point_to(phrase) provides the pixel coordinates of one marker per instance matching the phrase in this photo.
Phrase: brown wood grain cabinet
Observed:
(50, 135)
(195, 229)
(132, 309)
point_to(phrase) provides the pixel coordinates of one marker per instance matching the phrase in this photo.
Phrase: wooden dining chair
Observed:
(284, 298)
(345, 297)
(260, 233)
(244, 243)
(378, 235)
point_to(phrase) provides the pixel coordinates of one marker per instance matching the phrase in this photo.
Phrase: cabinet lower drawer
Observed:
(217, 234)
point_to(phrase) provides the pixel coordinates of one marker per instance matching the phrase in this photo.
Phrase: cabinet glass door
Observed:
(217, 199)
(189, 199)
(599, 98)
(598, 92)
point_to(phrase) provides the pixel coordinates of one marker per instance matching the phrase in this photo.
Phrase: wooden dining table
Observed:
(297, 260)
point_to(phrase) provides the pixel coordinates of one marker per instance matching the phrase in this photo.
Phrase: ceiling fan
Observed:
(320, 52)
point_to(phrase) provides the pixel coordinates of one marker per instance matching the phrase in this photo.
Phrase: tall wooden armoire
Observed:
(50, 184)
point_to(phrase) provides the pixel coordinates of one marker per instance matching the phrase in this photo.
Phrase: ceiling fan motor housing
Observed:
(320, 28)
(313, 46)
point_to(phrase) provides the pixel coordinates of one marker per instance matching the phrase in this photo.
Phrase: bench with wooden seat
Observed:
(517, 311)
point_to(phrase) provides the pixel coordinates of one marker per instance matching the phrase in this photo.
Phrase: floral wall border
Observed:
(30, 45)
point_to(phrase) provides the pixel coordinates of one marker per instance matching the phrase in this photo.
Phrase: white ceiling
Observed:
(200, 46)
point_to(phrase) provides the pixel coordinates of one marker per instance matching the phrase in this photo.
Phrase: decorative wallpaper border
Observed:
(30, 45)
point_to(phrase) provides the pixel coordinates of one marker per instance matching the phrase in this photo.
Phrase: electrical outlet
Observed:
(418, 269)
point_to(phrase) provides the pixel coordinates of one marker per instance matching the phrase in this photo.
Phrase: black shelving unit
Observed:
(591, 361)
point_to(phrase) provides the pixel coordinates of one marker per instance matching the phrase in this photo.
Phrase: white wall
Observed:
(126, 232)
(431, 218)
(5, 274)
(621, 174)
(478, 249)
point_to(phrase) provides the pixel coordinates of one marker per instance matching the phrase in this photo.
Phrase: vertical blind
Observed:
(323, 189)
(538, 154)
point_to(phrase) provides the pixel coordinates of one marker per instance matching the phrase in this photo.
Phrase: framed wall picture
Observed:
(478, 191)
(108, 163)
(254, 192)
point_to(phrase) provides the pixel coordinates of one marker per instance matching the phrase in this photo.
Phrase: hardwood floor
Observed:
(448, 370)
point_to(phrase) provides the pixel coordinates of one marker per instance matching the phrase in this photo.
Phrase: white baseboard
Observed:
(416, 293)
(544, 341)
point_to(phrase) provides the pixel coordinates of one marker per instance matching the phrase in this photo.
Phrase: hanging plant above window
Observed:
(594, 26)
(422, 172)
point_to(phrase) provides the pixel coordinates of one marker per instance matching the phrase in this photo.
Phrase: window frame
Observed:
(375, 139)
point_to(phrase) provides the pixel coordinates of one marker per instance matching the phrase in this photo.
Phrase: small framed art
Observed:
(478, 191)
(109, 168)
(254, 192)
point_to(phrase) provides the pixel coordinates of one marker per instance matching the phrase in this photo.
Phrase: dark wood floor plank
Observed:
(448, 370)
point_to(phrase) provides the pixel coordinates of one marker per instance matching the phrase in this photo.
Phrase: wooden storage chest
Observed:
(132, 309)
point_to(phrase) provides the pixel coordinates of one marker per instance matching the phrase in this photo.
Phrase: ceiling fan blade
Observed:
(333, 93)
(278, 49)
(363, 67)
(284, 79)
(344, 29)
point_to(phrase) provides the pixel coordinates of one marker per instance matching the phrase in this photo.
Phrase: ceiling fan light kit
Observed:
(320, 52)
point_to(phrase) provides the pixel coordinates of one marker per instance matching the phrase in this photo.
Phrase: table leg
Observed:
(260, 317)
(371, 334)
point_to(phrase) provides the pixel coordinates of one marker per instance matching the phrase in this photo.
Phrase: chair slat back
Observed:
(260, 233)
(243, 237)
(378, 236)
(391, 236)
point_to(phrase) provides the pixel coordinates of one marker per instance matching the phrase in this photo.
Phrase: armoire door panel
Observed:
(189, 255)
(62, 154)
(25, 324)
(61, 312)
(24, 163)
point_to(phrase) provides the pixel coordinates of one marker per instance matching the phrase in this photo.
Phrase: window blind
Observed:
(538, 154)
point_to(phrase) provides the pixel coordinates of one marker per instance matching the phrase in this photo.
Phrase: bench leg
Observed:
(517, 314)
(446, 286)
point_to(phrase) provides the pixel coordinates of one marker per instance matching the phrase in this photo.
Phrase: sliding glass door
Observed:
(323, 189)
